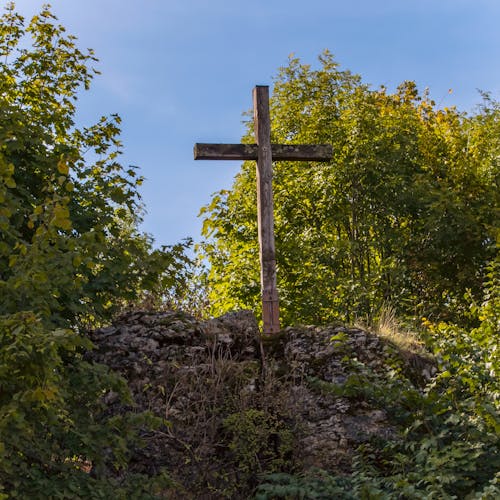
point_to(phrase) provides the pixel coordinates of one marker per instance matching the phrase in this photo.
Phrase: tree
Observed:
(402, 215)
(56, 202)
(71, 254)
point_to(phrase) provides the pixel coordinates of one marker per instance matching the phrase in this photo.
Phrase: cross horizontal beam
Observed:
(285, 152)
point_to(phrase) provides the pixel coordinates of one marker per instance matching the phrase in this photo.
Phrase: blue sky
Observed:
(182, 71)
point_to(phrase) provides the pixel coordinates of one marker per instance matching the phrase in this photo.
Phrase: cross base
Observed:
(270, 312)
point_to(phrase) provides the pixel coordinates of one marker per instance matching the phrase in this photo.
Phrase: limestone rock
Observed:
(197, 373)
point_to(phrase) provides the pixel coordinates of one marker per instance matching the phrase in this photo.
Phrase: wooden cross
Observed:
(264, 153)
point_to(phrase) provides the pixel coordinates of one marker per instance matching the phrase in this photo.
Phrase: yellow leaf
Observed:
(61, 212)
(61, 217)
(64, 224)
(63, 167)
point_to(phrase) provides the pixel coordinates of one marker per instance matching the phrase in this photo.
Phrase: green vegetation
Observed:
(449, 437)
(70, 256)
(402, 224)
(259, 442)
(401, 228)
(405, 216)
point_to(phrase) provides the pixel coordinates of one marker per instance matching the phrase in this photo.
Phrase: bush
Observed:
(449, 432)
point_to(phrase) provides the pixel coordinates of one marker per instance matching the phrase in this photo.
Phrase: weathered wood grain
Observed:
(262, 124)
(280, 152)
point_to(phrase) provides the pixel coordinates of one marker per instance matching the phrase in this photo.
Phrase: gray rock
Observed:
(197, 373)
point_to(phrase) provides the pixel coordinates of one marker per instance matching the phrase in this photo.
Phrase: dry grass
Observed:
(389, 328)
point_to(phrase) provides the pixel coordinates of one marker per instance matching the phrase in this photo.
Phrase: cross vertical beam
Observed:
(265, 222)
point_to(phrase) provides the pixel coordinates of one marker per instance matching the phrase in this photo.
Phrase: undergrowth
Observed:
(449, 437)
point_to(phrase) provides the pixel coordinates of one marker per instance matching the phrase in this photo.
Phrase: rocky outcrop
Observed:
(207, 377)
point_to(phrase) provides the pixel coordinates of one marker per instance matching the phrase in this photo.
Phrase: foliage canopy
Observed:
(71, 254)
(406, 213)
